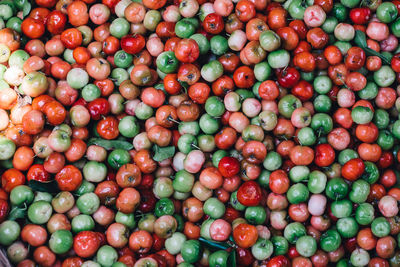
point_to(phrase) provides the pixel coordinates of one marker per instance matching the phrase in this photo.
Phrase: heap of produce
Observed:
(221, 133)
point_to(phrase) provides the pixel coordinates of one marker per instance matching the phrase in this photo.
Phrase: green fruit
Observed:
(281, 245)
(9, 232)
(380, 227)
(214, 208)
(297, 193)
(330, 240)
(262, 249)
(218, 259)
(255, 215)
(88, 203)
(347, 227)
(191, 251)
(61, 241)
(294, 231)
(106, 256)
(39, 212)
(306, 246)
(21, 194)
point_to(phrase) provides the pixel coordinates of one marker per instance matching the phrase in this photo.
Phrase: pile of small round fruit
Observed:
(221, 133)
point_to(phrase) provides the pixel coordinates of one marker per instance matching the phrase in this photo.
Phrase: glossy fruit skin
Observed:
(306, 246)
(324, 155)
(108, 128)
(167, 62)
(187, 51)
(44, 255)
(228, 166)
(353, 169)
(10, 231)
(279, 182)
(69, 178)
(360, 15)
(20, 195)
(118, 158)
(4, 208)
(380, 227)
(61, 241)
(86, 244)
(71, 38)
(191, 251)
(153, 79)
(98, 107)
(245, 235)
(219, 258)
(278, 261)
(32, 28)
(88, 203)
(37, 172)
(330, 240)
(39, 212)
(249, 193)
(132, 44)
(12, 178)
(56, 22)
(213, 23)
(336, 188)
(289, 77)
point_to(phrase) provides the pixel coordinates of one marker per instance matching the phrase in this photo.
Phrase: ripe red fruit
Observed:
(249, 194)
(133, 44)
(353, 169)
(324, 155)
(86, 244)
(229, 166)
(360, 15)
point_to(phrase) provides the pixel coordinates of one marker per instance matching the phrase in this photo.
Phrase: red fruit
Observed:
(56, 22)
(37, 172)
(360, 15)
(229, 166)
(288, 77)
(350, 244)
(86, 244)
(292, 253)
(3, 209)
(32, 28)
(46, 3)
(395, 62)
(146, 182)
(278, 261)
(161, 261)
(213, 23)
(133, 44)
(386, 160)
(80, 101)
(244, 257)
(249, 194)
(245, 235)
(324, 155)
(353, 169)
(279, 182)
(231, 214)
(98, 107)
(303, 90)
(187, 51)
(147, 201)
